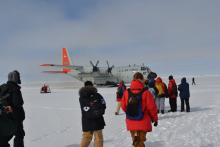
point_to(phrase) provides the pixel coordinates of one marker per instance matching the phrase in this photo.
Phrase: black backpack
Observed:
(134, 107)
(5, 91)
(95, 107)
(174, 89)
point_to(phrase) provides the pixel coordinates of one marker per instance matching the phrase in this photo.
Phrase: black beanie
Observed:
(88, 83)
(170, 77)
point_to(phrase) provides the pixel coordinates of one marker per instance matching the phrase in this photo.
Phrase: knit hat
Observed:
(88, 83)
(170, 77)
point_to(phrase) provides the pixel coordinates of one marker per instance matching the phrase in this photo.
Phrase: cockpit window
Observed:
(148, 70)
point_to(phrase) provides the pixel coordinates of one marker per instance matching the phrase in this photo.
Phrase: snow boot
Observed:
(158, 111)
(162, 111)
(116, 113)
(169, 110)
(135, 139)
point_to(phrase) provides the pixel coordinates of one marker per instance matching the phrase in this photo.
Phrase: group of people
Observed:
(160, 91)
(147, 95)
(138, 128)
(150, 94)
(11, 121)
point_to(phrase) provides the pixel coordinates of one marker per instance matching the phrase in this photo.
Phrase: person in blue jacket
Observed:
(184, 94)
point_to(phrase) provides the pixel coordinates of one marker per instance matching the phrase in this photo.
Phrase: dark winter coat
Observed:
(184, 89)
(8, 126)
(89, 124)
(15, 100)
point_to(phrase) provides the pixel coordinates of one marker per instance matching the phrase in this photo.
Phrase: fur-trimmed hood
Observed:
(87, 90)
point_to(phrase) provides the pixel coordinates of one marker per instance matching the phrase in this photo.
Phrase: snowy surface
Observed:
(54, 120)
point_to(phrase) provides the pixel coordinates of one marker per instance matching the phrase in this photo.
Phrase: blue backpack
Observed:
(134, 107)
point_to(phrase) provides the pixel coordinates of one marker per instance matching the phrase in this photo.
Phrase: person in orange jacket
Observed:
(120, 91)
(139, 128)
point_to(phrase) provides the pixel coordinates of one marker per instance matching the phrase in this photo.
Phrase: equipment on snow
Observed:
(45, 89)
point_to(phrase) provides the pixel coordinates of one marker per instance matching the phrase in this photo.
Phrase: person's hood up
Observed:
(183, 80)
(137, 84)
(159, 80)
(12, 76)
(87, 90)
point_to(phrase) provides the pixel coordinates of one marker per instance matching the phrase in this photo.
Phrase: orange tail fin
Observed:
(66, 59)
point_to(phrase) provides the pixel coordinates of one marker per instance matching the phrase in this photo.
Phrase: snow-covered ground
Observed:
(54, 120)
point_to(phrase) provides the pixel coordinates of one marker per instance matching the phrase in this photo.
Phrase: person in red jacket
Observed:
(172, 93)
(119, 93)
(139, 128)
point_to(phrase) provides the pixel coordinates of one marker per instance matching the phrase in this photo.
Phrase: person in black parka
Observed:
(184, 94)
(90, 126)
(16, 102)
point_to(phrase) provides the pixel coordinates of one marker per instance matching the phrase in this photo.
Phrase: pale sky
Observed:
(171, 37)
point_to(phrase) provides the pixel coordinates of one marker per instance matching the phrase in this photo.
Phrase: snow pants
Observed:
(160, 103)
(118, 107)
(173, 104)
(87, 138)
(19, 136)
(187, 105)
(141, 138)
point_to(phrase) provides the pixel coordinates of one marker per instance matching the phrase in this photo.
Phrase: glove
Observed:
(156, 123)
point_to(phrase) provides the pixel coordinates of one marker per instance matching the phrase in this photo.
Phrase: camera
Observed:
(3, 109)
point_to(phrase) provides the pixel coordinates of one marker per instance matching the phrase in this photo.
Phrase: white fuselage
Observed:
(100, 77)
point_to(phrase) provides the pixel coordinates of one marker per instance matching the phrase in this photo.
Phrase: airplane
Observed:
(98, 75)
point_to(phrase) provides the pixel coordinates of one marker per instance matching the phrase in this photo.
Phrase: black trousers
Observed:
(193, 83)
(173, 104)
(187, 105)
(19, 136)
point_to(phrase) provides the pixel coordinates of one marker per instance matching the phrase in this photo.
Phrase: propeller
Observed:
(95, 68)
(109, 70)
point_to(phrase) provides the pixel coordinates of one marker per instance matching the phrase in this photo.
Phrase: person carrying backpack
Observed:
(16, 102)
(172, 92)
(139, 106)
(92, 122)
(162, 93)
(8, 126)
(184, 94)
(120, 91)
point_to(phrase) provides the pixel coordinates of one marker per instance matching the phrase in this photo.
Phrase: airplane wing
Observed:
(73, 67)
(55, 72)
